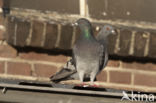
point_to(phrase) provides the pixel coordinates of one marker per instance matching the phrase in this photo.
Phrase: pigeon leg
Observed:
(81, 75)
(92, 78)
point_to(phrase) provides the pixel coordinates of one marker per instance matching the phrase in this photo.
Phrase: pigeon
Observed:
(88, 53)
(102, 38)
(69, 72)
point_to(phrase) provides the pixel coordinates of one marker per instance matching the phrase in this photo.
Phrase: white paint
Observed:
(147, 36)
(58, 36)
(28, 41)
(2, 28)
(82, 7)
(104, 14)
(53, 16)
(97, 28)
(128, 13)
(131, 49)
(15, 34)
(74, 36)
(117, 44)
(44, 34)
(1, 10)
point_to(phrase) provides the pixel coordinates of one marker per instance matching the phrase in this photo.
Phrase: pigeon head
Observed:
(108, 29)
(105, 32)
(85, 27)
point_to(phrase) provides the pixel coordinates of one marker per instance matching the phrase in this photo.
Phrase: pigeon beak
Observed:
(75, 24)
(113, 32)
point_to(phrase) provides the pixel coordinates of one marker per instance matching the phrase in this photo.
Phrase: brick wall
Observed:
(37, 44)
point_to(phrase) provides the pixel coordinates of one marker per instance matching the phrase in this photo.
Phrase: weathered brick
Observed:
(16, 68)
(1, 67)
(77, 33)
(43, 57)
(1, 35)
(7, 51)
(120, 77)
(122, 10)
(102, 76)
(152, 46)
(37, 34)
(145, 79)
(1, 19)
(66, 37)
(69, 6)
(43, 70)
(1, 3)
(111, 43)
(51, 36)
(139, 66)
(10, 30)
(113, 63)
(22, 32)
(139, 44)
(125, 40)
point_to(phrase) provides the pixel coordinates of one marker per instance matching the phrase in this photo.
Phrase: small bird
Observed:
(69, 72)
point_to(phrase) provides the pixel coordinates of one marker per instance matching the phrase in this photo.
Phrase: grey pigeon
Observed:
(102, 38)
(69, 71)
(88, 53)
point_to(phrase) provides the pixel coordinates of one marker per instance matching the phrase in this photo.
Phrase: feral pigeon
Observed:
(102, 39)
(87, 52)
(69, 71)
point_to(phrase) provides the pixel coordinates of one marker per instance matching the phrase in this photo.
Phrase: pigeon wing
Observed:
(103, 57)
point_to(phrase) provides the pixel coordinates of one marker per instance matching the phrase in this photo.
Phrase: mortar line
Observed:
(73, 37)
(132, 71)
(5, 67)
(15, 34)
(31, 61)
(44, 34)
(73, 17)
(146, 51)
(132, 79)
(117, 44)
(58, 35)
(28, 41)
(132, 43)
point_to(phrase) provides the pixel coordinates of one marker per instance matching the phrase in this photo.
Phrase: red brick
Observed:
(120, 77)
(145, 80)
(1, 19)
(16, 68)
(43, 57)
(1, 3)
(1, 34)
(1, 67)
(102, 76)
(66, 37)
(1, 29)
(7, 51)
(139, 66)
(37, 33)
(43, 70)
(113, 63)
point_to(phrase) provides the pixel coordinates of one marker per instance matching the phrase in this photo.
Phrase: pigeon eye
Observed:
(107, 28)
